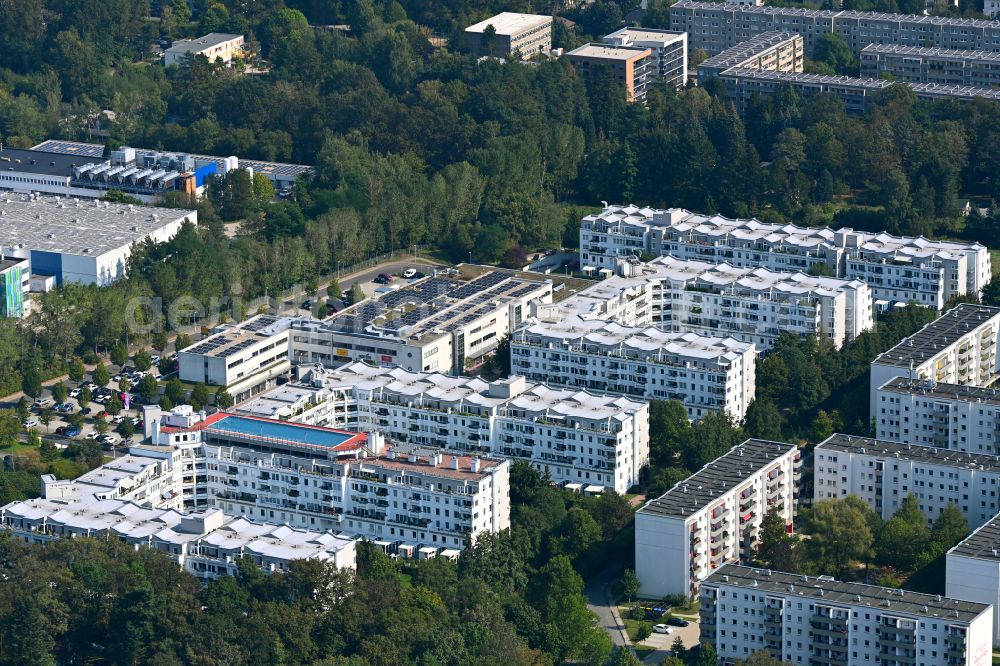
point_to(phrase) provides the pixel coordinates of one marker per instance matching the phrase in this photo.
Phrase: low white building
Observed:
(896, 269)
(818, 620)
(440, 324)
(752, 305)
(707, 374)
(207, 544)
(946, 416)
(574, 436)
(510, 33)
(246, 358)
(973, 570)
(959, 347)
(713, 517)
(883, 473)
(84, 241)
(216, 46)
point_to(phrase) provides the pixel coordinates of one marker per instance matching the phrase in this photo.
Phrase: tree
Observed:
(47, 451)
(778, 549)
(760, 658)
(149, 388)
(124, 384)
(575, 534)
(77, 370)
(100, 375)
(143, 360)
(630, 584)
(839, 534)
(60, 392)
(31, 383)
(159, 341)
(832, 50)
(10, 427)
(904, 536)
(182, 341)
(84, 397)
(669, 428)
(623, 656)
(222, 398)
(950, 527)
(763, 420)
(101, 426)
(46, 417)
(643, 631)
(113, 406)
(175, 391)
(126, 429)
(333, 290)
(821, 427)
(200, 395)
(356, 294)
(119, 354)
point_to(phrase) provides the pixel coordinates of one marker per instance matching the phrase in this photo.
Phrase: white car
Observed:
(43, 402)
(118, 419)
(662, 629)
(74, 393)
(29, 423)
(154, 359)
(410, 273)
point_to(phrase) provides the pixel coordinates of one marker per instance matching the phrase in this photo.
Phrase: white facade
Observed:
(973, 570)
(946, 416)
(959, 347)
(707, 374)
(437, 324)
(246, 358)
(207, 545)
(669, 49)
(991, 8)
(896, 269)
(217, 47)
(574, 436)
(522, 35)
(819, 620)
(713, 517)
(883, 473)
(752, 305)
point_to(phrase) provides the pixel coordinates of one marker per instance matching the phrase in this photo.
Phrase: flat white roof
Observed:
(87, 227)
(201, 43)
(649, 35)
(510, 23)
(607, 52)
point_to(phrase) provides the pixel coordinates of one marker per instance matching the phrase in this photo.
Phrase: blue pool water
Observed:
(291, 432)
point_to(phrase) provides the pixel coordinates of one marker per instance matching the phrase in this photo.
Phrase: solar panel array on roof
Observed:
(259, 324)
(239, 346)
(207, 345)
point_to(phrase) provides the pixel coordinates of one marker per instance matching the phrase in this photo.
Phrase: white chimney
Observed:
(474, 465)
(454, 462)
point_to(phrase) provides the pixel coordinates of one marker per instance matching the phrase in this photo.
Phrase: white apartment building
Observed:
(323, 479)
(973, 570)
(707, 374)
(818, 620)
(669, 49)
(246, 358)
(207, 545)
(959, 347)
(441, 324)
(574, 436)
(713, 517)
(752, 305)
(216, 46)
(946, 416)
(883, 473)
(896, 269)
(520, 35)
(768, 51)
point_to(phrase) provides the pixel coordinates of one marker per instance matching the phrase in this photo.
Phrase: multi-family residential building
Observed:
(320, 478)
(750, 304)
(959, 347)
(896, 269)
(992, 8)
(707, 374)
(669, 50)
(208, 544)
(632, 66)
(818, 620)
(947, 416)
(574, 436)
(972, 570)
(15, 279)
(713, 517)
(520, 35)
(438, 324)
(714, 27)
(883, 473)
(216, 46)
(769, 51)
(246, 358)
(857, 94)
(917, 64)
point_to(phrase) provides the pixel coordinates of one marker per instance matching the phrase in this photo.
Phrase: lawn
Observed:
(995, 261)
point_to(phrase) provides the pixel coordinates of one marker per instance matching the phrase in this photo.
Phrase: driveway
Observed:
(662, 643)
(598, 602)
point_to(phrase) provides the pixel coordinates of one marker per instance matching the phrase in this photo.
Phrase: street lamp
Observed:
(470, 256)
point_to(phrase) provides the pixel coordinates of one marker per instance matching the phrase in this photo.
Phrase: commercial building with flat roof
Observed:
(713, 517)
(972, 570)
(749, 304)
(573, 436)
(896, 269)
(520, 35)
(768, 51)
(81, 241)
(883, 473)
(818, 620)
(919, 64)
(15, 278)
(668, 48)
(947, 416)
(632, 66)
(959, 347)
(707, 374)
(441, 324)
(216, 46)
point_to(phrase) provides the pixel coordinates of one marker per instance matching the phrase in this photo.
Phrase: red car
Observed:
(101, 415)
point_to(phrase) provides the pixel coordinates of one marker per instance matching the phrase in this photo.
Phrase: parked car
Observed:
(410, 273)
(74, 393)
(93, 435)
(43, 402)
(677, 622)
(61, 430)
(116, 378)
(29, 423)
(86, 410)
(384, 278)
(662, 629)
(118, 419)
(155, 358)
(285, 192)
(71, 431)
(64, 408)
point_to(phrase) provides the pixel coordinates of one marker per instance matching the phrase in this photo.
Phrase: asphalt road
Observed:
(599, 603)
